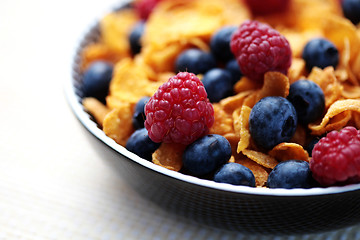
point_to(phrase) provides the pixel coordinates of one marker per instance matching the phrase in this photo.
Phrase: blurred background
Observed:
(54, 184)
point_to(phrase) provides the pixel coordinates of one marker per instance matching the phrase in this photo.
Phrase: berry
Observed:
(351, 10)
(308, 100)
(336, 157)
(233, 67)
(140, 144)
(220, 43)
(139, 113)
(218, 84)
(179, 111)
(145, 7)
(135, 37)
(96, 80)
(272, 121)
(236, 174)
(261, 7)
(259, 48)
(206, 154)
(195, 61)
(291, 174)
(320, 52)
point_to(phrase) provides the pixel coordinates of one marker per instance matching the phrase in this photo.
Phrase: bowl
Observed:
(224, 206)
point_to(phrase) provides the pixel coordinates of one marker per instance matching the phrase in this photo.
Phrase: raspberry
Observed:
(259, 48)
(179, 111)
(145, 7)
(336, 158)
(261, 7)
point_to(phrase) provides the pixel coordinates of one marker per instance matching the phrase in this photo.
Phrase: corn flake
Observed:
(243, 128)
(118, 123)
(260, 158)
(169, 155)
(288, 151)
(337, 116)
(96, 109)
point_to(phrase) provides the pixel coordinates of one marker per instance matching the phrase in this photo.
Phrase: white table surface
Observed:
(53, 184)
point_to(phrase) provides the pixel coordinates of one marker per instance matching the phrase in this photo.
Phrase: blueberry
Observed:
(291, 174)
(320, 52)
(135, 37)
(140, 144)
(308, 99)
(220, 43)
(233, 67)
(272, 121)
(236, 174)
(351, 10)
(97, 79)
(218, 84)
(195, 61)
(139, 113)
(206, 154)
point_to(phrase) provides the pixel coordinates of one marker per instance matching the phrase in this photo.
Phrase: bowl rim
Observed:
(75, 103)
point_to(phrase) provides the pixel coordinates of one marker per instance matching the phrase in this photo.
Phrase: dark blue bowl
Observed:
(224, 206)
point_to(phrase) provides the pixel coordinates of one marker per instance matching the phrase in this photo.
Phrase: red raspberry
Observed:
(336, 158)
(261, 7)
(179, 111)
(259, 48)
(145, 7)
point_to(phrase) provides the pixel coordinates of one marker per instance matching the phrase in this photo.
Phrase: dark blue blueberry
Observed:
(351, 10)
(320, 52)
(233, 67)
(140, 144)
(206, 154)
(220, 43)
(139, 113)
(195, 61)
(308, 99)
(97, 79)
(218, 84)
(135, 37)
(236, 174)
(273, 120)
(291, 174)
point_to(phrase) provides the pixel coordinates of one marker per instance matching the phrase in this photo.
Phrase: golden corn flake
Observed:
(288, 151)
(98, 51)
(118, 123)
(96, 109)
(337, 116)
(261, 158)
(231, 103)
(223, 123)
(296, 70)
(246, 84)
(243, 128)
(275, 84)
(131, 81)
(328, 82)
(260, 173)
(185, 20)
(169, 155)
(115, 28)
(350, 91)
